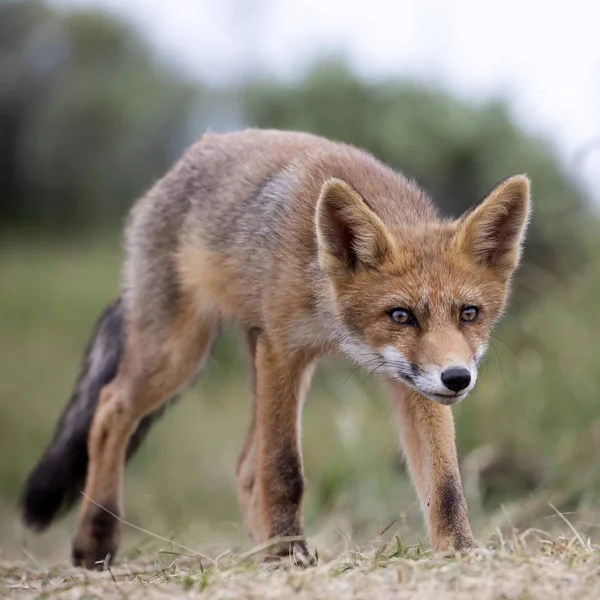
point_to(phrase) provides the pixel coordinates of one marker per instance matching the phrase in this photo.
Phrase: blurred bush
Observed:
(89, 116)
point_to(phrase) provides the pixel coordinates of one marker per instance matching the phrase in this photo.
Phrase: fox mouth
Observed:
(448, 399)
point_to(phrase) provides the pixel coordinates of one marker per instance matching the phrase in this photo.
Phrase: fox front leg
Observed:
(427, 435)
(276, 505)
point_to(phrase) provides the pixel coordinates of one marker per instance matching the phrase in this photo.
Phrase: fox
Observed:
(314, 248)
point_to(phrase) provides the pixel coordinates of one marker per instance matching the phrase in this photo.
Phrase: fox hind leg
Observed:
(153, 367)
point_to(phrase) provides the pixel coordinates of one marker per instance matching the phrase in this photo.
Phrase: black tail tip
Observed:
(39, 504)
(46, 494)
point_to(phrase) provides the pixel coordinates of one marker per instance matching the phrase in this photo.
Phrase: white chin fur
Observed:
(447, 400)
(426, 381)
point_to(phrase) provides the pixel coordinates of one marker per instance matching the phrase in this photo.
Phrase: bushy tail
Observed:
(57, 480)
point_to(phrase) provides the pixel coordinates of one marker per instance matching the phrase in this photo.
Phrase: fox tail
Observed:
(57, 480)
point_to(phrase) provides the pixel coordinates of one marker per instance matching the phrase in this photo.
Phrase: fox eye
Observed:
(469, 313)
(402, 316)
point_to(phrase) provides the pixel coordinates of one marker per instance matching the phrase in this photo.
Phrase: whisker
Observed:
(499, 359)
(501, 340)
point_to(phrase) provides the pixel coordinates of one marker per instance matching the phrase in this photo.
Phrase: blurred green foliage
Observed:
(90, 117)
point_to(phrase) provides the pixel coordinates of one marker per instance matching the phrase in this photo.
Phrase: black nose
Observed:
(456, 378)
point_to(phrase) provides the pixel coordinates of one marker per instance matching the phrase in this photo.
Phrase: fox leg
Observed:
(427, 434)
(246, 465)
(274, 509)
(152, 369)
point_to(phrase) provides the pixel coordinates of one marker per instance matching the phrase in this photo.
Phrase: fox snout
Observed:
(456, 379)
(447, 386)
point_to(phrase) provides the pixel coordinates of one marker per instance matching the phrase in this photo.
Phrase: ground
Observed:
(529, 566)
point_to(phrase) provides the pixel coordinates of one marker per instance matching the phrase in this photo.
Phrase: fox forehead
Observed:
(422, 285)
(427, 275)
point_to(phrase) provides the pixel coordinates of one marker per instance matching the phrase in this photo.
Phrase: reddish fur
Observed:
(337, 240)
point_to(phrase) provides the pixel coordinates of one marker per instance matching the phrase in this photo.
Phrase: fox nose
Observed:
(456, 378)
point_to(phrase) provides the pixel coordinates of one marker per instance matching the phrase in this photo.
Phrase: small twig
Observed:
(390, 525)
(106, 567)
(30, 556)
(223, 554)
(572, 528)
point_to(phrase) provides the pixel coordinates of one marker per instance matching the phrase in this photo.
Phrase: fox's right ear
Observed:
(349, 233)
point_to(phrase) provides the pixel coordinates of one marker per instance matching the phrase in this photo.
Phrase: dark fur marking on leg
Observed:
(290, 473)
(287, 490)
(103, 523)
(451, 501)
(453, 513)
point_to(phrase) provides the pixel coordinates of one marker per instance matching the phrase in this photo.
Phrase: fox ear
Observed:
(494, 231)
(349, 233)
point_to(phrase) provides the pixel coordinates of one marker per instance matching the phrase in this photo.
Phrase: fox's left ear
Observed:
(494, 231)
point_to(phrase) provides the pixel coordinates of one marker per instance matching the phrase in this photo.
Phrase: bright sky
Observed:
(544, 57)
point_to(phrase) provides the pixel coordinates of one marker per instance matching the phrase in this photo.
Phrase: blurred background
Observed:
(99, 97)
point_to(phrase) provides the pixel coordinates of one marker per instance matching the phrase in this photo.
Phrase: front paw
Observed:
(297, 552)
(456, 543)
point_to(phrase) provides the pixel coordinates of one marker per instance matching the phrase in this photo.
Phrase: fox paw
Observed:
(296, 552)
(460, 544)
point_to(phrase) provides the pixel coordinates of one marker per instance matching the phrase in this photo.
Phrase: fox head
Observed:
(417, 303)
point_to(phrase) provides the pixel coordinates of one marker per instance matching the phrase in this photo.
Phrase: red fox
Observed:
(314, 248)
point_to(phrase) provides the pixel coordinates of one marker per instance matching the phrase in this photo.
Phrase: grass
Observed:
(528, 566)
(527, 438)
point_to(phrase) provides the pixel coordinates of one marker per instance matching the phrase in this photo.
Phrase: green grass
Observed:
(528, 435)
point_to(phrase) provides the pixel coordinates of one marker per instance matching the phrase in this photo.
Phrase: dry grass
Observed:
(526, 567)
